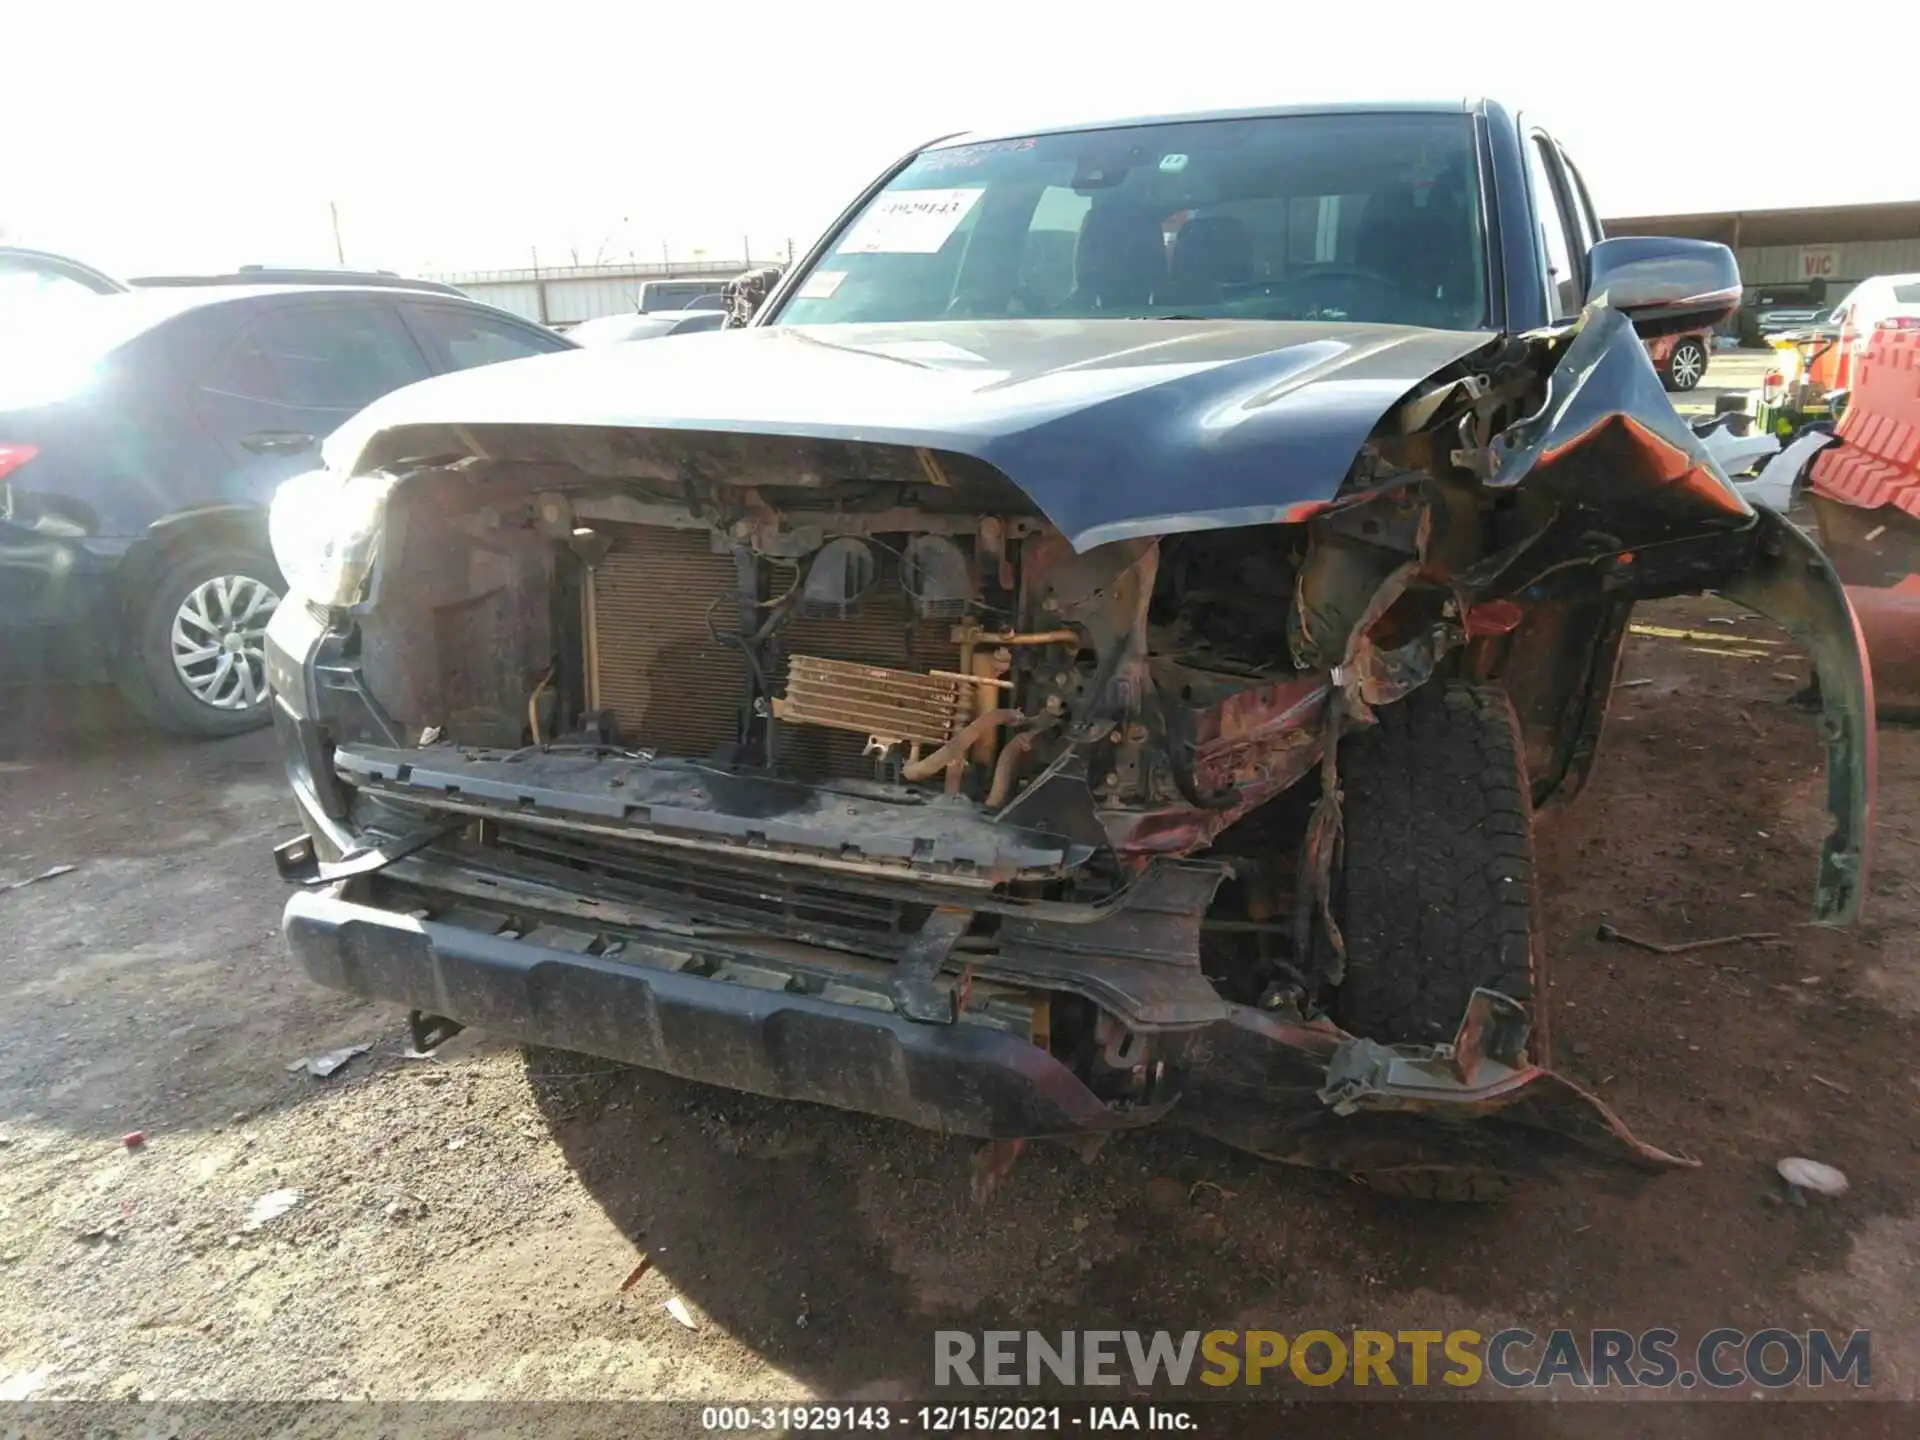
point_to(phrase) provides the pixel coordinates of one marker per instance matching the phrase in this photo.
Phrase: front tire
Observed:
(1435, 886)
(196, 663)
(1686, 366)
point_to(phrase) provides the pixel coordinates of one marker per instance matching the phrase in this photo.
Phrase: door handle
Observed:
(278, 442)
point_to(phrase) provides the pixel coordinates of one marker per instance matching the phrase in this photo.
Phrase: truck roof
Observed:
(1257, 112)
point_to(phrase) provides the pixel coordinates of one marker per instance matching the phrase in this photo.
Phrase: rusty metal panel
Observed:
(661, 674)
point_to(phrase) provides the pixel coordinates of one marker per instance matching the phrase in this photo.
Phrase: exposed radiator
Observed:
(672, 689)
(668, 685)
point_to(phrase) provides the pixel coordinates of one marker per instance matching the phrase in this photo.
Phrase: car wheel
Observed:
(1434, 888)
(1687, 365)
(198, 664)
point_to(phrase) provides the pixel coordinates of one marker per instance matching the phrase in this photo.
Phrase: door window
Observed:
(1583, 213)
(463, 339)
(334, 357)
(1563, 281)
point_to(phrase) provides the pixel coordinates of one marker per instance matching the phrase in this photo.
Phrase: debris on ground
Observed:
(134, 1139)
(52, 872)
(633, 1276)
(992, 1163)
(677, 1308)
(805, 1317)
(1166, 1195)
(321, 1066)
(271, 1206)
(1683, 947)
(1802, 1175)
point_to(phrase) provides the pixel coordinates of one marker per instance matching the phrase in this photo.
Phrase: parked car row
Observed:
(143, 432)
(142, 435)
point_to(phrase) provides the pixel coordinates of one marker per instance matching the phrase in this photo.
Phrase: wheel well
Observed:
(170, 540)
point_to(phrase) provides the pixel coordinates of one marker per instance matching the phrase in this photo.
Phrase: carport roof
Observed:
(1812, 225)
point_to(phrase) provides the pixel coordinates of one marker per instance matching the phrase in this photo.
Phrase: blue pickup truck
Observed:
(1087, 653)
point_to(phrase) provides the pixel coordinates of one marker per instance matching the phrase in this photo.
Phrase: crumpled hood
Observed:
(1114, 428)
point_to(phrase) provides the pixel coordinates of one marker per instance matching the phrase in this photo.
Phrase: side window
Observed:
(1584, 214)
(1557, 243)
(319, 357)
(30, 282)
(462, 339)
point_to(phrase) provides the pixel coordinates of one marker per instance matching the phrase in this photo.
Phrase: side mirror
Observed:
(1663, 285)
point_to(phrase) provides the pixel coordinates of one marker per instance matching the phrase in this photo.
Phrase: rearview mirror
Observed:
(1664, 285)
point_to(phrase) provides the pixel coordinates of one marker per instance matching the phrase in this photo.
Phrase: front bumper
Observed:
(1303, 1094)
(963, 1078)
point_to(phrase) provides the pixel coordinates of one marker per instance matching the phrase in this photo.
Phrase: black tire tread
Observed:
(1437, 872)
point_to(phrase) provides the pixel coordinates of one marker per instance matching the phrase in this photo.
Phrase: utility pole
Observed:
(339, 249)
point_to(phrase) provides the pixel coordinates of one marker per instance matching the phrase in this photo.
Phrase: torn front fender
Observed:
(1607, 421)
(1304, 1092)
(1792, 583)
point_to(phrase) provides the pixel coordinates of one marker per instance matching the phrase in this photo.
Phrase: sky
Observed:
(195, 135)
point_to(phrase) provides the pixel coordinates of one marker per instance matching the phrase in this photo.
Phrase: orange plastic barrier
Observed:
(1878, 461)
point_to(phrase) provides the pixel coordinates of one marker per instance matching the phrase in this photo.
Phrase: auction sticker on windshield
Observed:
(909, 222)
(821, 284)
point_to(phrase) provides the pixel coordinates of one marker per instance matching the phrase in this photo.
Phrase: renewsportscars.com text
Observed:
(1512, 1359)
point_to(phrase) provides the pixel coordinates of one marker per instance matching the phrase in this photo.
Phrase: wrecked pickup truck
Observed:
(1089, 652)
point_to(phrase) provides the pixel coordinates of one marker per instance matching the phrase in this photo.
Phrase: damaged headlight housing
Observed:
(324, 529)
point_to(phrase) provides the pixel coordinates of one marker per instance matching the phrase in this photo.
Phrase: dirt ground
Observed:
(465, 1223)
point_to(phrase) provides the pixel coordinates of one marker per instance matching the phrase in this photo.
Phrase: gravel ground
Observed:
(464, 1224)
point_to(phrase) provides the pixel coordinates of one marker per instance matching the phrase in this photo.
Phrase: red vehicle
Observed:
(1681, 359)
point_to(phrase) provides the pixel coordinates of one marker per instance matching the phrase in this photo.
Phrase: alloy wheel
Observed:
(1688, 366)
(219, 641)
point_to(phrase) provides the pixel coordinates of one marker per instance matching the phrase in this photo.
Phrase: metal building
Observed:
(566, 294)
(1828, 247)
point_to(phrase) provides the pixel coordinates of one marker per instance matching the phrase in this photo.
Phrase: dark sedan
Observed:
(141, 438)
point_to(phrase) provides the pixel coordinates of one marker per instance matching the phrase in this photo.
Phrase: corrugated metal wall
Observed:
(1855, 261)
(571, 300)
(522, 297)
(584, 292)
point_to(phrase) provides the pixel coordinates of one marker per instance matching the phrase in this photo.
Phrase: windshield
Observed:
(1365, 217)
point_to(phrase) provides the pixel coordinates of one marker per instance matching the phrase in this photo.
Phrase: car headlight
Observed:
(323, 529)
